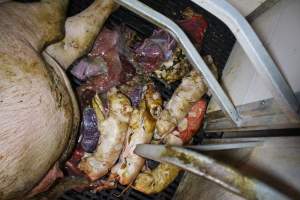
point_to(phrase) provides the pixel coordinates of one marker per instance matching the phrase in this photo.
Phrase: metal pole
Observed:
(210, 169)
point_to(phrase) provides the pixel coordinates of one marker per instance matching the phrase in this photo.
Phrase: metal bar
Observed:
(219, 147)
(256, 52)
(261, 9)
(259, 115)
(191, 52)
(210, 169)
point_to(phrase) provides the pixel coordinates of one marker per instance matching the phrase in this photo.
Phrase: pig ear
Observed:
(80, 32)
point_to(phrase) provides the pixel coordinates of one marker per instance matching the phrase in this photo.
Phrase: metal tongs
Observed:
(210, 169)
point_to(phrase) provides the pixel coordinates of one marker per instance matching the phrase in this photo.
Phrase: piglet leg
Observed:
(81, 31)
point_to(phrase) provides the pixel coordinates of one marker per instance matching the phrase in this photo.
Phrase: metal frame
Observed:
(259, 115)
(265, 66)
(261, 9)
(191, 52)
(262, 61)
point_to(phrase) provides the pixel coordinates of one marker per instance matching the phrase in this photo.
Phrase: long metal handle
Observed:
(191, 52)
(212, 170)
(262, 61)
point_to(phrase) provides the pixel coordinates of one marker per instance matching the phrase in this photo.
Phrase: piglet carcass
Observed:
(39, 113)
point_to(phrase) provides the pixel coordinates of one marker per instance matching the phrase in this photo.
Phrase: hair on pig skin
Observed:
(38, 109)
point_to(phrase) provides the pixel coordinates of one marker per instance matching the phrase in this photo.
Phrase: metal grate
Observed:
(218, 42)
(131, 194)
